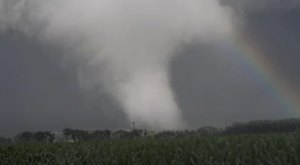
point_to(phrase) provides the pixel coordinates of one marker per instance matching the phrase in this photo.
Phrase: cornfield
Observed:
(270, 149)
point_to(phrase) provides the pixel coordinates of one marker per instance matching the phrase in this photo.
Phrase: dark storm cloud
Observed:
(214, 89)
(274, 26)
(134, 41)
(39, 91)
(218, 92)
(278, 33)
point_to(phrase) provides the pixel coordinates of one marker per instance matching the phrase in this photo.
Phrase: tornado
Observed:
(128, 45)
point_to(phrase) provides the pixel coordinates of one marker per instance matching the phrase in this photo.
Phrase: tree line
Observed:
(40, 136)
(264, 126)
(75, 135)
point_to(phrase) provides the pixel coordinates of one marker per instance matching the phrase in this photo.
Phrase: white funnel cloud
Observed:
(126, 44)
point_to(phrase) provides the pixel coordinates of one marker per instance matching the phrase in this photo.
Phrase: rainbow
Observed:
(264, 72)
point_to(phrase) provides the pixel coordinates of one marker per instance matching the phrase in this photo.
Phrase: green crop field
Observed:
(270, 149)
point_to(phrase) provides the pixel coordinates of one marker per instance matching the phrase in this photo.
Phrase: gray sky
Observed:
(39, 87)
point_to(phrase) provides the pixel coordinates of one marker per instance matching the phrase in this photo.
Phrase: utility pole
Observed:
(133, 125)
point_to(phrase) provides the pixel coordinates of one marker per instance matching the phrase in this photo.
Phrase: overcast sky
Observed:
(39, 87)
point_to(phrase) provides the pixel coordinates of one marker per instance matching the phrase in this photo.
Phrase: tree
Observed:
(43, 136)
(165, 134)
(77, 135)
(121, 134)
(69, 133)
(24, 137)
(208, 131)
(264, 126)
(40, 136)
(5, 140)
(136, 133)
(82, 135)
(50, 136)
(101, 135)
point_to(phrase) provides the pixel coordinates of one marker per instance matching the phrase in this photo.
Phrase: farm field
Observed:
(252, 149)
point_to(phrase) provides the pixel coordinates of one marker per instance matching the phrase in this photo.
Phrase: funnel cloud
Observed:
(166, 64)
(123, 46)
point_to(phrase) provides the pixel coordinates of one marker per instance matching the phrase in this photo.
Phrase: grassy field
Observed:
(244, 149)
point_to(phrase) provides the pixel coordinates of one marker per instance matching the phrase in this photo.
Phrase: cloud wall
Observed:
(126, 44)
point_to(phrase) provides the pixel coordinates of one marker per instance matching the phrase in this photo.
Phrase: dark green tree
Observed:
(24, 137)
